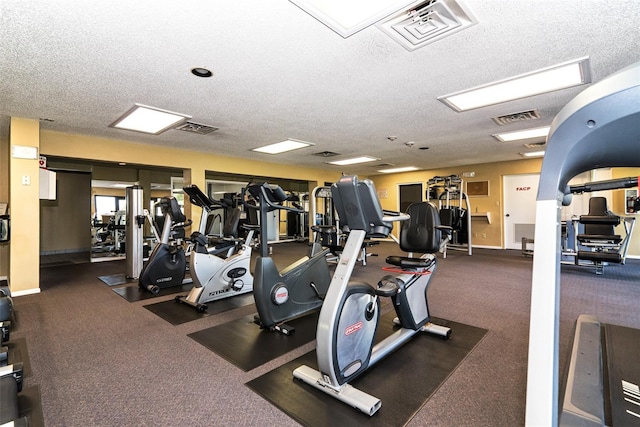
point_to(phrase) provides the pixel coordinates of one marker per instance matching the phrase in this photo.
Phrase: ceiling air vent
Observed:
(196, 128)
(326, 154)
(516, 117)
(425, 22)
(536, 145)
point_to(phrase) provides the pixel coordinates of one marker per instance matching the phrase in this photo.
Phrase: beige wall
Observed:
(195, 164)
(484, 234)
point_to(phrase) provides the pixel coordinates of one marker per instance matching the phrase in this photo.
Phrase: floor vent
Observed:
(425, 22)
(516, 117)
(196, 128)
(326, 154)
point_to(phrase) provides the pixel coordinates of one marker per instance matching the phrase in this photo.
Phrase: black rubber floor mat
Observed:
(17, 352)
(244, 344)
(30, 405)
(133, 293)
(404, 381)
(116, 279)
(177, 314)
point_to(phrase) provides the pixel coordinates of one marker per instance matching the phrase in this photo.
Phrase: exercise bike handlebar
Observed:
(198, 198)
(272, 196)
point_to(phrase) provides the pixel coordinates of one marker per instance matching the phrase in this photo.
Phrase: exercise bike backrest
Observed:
(358, 207)
(170, 207)
(421, 233)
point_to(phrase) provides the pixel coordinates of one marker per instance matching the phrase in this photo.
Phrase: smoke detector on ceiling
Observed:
(196, 128)
(425, 22)
(516, 117)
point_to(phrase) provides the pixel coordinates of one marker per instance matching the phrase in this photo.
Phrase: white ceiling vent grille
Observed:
(425, 22)
(196, 128)
(536, 144)
(516, 117)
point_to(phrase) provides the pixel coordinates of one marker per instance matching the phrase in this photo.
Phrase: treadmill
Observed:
(599, 128)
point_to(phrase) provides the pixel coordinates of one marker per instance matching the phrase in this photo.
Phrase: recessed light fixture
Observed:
(518, 135)
(533, 154)
(398, 170)
(201, 72)
(348, 17)
(282, 147)
(142, 118)
(354, 160)
(561, 76)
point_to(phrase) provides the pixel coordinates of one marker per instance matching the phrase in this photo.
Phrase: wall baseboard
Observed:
(25, 292)
(487, 247)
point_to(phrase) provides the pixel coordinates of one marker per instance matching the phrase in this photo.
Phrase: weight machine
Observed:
(454, 209)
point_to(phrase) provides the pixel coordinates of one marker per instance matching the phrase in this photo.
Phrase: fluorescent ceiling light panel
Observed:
(142, 118)
(561, 76)
(282, 147)
(533, 154)
(354, 160)
(348, 17)
(518, 135)
(398, 170)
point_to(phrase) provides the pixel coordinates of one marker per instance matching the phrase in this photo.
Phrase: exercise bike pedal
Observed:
(284, 329)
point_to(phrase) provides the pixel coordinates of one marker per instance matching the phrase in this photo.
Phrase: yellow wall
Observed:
(24, 200)
(484, 234)
(24, 205)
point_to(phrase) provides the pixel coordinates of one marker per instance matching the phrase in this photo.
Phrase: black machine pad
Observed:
(244, 344)
(177, 314)
(404, 380)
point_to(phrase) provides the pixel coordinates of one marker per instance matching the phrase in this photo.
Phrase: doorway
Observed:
(409, 193)
(520, 192)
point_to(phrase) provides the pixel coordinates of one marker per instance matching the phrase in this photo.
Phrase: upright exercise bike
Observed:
(299, 289)
(351, 311)
(221, 271)
(167, 263)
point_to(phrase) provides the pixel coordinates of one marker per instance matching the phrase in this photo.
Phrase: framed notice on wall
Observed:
(477, 188)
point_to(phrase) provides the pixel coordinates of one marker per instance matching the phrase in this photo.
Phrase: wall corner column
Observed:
(24, 206)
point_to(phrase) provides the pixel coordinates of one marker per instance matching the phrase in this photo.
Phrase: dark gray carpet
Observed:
(101, 361)
(177, 313)
(403, 381)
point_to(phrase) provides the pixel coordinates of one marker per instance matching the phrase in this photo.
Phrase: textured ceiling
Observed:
(279, 73)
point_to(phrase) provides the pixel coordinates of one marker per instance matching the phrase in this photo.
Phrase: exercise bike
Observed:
(222, 271)
(351, 311)
(298, 289)
(167, 263)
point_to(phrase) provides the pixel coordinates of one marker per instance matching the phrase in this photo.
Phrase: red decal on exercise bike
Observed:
(353, 328)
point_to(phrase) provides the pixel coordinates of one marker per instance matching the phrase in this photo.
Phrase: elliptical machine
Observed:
(351, 311)
(219, 272)
(167, 263)
(298, 289)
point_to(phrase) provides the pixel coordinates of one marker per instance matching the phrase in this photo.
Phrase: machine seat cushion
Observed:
(613, 257)
(407, 262)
